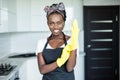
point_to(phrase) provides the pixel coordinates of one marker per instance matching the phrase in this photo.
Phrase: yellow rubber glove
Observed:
(69, 47)
(75, 34)
(64, 56)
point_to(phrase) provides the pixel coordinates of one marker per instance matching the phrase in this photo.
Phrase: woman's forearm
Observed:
(43, 67)
(71, 61)
(47, 67)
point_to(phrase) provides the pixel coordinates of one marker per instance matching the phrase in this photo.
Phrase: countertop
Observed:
(18, 62)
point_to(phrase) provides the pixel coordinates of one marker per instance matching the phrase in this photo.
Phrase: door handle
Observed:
(88, 46)
(116, 71)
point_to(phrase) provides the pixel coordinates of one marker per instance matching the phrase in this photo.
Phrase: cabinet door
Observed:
(23, 71)
(4, 16)
(23, 15)
(12, 17)
(7, 15)
(38, 15)
(0, 13)
(32, 70)
(29, 70)
(31, 15)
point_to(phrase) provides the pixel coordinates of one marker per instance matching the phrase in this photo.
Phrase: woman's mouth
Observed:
(56, 31)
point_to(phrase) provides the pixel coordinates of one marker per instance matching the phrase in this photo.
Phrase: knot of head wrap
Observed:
(55, 7)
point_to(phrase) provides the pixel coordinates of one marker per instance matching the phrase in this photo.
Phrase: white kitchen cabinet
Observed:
(0, 13)
(31, 15)
(101, 2)
(23, 15)
(3, 16)
(12, 17)
(30, 71)
(23, 71)
(28, 15)
(38, 15)
(7, 15)
(38, 19)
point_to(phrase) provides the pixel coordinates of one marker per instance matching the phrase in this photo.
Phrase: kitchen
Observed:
(23, 23)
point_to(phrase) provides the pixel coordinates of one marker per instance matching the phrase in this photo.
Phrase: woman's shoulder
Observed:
(68, 38)
(40, 45)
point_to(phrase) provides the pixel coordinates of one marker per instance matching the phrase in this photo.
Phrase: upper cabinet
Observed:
(12, 15)
(3, 16)
(23, 15)
(101, 2)
(7, 15)
(29, 15)
(38, 15)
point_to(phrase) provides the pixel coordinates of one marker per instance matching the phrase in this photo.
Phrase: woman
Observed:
(56, 55)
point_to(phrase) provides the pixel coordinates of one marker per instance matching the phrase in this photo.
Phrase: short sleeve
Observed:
(40, 45)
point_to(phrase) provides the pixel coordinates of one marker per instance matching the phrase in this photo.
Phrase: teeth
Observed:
(56, 30)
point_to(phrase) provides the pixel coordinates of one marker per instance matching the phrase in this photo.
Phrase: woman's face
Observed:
(55, 23)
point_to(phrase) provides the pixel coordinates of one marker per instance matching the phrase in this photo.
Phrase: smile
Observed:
(56, 30)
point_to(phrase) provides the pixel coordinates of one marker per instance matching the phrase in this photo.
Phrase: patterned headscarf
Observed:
(60, 8)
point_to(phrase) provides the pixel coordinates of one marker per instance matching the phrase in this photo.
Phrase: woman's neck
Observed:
(60, 36)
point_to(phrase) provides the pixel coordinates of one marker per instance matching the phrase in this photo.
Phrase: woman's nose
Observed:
(55, 25)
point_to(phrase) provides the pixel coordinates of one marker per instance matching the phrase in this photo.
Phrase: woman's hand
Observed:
(75, 34)
(64, 56)
(69, 47)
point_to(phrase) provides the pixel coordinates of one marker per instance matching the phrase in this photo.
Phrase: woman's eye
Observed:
(59, 23)
(51, 23)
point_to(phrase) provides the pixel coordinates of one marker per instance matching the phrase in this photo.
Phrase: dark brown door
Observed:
(101, 31)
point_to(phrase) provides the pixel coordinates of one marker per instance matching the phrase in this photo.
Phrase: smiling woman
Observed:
(27, 23)
(56, 56)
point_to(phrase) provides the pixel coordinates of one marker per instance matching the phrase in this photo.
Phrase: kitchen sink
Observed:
(23, 55)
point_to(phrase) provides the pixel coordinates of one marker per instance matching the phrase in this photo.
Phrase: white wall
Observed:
(26, 41)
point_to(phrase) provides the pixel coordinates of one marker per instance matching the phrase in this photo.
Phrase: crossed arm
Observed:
(45, 68)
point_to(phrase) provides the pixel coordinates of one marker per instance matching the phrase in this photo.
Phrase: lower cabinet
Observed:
(29, 70)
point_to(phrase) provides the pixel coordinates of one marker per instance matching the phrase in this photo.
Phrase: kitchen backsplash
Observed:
(4, 44)
(26, 41)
